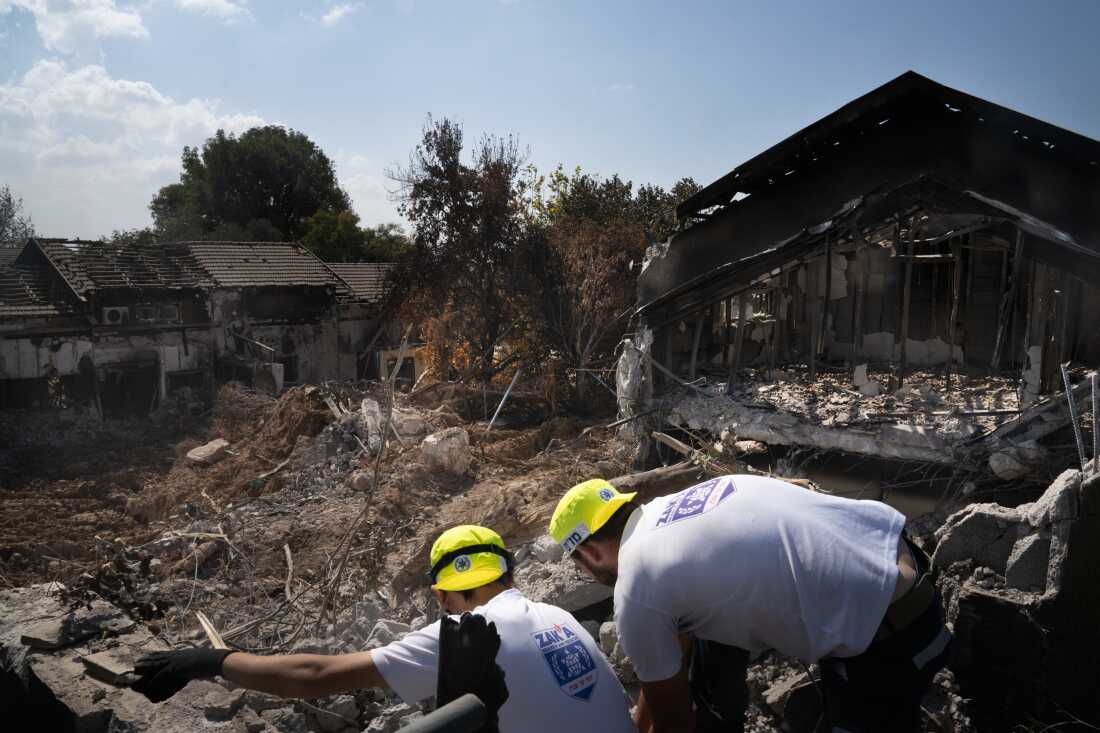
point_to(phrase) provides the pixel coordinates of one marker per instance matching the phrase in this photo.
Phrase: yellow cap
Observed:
(453, 569)
(583, 510)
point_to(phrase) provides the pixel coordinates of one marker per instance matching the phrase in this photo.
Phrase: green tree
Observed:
(15, 224)
(261, 185)
(128, 237)
(385, 243)
(334, 236)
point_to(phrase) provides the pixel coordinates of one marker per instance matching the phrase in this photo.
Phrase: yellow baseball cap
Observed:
(466, 557)
(583, 510)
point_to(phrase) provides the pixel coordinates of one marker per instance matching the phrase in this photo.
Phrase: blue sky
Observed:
(98, 97)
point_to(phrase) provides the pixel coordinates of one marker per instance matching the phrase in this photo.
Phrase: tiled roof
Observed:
(367, 280)
(28, 288)
(261, 264)
(99, 265)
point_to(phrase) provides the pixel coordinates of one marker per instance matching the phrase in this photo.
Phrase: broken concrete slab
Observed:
(97, 619)
(546, 550)
(560, 583)
(1006, 466)
(209, 454)
(1058, 502)
(983, 533)
(859, 376)
(447, 450)
(1026, 568)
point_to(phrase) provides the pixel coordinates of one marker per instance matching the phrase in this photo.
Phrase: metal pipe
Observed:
(1095, 426)
(1073, 417)
(464, 715)
(504, 399)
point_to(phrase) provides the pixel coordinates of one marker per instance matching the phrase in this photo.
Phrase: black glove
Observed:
(163, 674)
(467, 663)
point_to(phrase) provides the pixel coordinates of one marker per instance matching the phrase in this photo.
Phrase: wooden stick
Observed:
(742, 301)
(211, 632)
(1008, 298)
(289, 572)
(956, 249)
(907, 293)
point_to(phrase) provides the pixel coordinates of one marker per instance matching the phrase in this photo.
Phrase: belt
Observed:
(907, 609)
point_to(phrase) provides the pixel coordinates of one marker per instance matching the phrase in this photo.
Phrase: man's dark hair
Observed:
(612, 530)
(507, 579)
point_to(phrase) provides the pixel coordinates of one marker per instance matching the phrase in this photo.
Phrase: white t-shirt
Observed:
(755, 563)
(558, 679)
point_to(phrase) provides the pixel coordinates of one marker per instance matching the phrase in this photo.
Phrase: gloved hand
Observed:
(163, 674)
(467, 663)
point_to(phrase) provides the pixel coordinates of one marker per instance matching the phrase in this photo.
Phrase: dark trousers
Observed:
(878, 690)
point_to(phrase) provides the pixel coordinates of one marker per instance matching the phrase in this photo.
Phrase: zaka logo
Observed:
(696, 500)
(578, 535)
(569, 660)
(606, 494)
(462, 563)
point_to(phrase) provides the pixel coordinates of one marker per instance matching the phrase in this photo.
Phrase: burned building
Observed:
(949, 245)
(120, 327)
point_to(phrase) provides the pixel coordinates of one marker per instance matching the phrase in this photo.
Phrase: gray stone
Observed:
(609, 637)
(1006, 466)
(984, 533)
(1058, 502)
(776, 696)
(546, 550)
(286, 720)
(447, 450)
(345, 712)
(859, 376)
(1027, 563)
(385, 632)
(99, 618)
(871, 389)
(209, 454)
(561, 584)
(592, 627)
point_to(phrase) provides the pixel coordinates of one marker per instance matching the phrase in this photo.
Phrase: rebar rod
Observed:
(1073, 417)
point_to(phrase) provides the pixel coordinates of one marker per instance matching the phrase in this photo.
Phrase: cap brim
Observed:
(607, 510)
(473, 578)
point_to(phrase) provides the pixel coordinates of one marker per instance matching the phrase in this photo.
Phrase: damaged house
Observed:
(122, 327)
(903, 278)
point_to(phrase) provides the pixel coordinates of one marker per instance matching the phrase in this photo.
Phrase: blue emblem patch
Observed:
(569, 661)
(696, 500)
(606, 494)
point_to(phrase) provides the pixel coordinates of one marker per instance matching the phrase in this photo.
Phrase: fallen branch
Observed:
(289, 572)
(212, 634)
(274, 471)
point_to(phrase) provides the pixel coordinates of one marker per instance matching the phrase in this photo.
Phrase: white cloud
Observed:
(227, 9)
(87, 151)
(621, 88)
(76, 26)
(365, 182)
(337, 13)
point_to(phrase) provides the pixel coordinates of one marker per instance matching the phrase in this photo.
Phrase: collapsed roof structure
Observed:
(915, 228)
(127, 324)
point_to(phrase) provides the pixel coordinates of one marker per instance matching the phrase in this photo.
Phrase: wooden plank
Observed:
(956, 248)
(906, 297)
(695, 345)
(738, 343)
(820, 346)
(1008, 298)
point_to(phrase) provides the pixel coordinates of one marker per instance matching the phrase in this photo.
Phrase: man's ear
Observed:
(440, 596)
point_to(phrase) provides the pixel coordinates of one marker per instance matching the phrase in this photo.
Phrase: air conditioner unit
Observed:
(116, 315)
(145, 313)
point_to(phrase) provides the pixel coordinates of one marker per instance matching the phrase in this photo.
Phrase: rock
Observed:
(749, 447)
(859, 376)
(209, 454)
(871, 389)
(1058, 502)
(362, 480)
(447, 450)
(97, 619)
(592, 627)
(370, 418)
(984, 533)
(609, 637)
(546, 550)
(560, 583)
(409, 422)
(776, 696)
(286, 720)
(1006, 466)
(386, 631)
(1027, 563)
(345, 708)
(389, 719)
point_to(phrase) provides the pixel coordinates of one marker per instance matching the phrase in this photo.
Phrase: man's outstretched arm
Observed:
(303, 675)
(163, 674)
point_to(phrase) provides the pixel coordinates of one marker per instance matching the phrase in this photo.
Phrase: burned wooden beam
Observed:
(956, 249)
(1008, 299)
(907, 293)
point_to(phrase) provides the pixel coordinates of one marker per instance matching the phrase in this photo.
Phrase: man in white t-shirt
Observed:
(738, 565)
(557, 677)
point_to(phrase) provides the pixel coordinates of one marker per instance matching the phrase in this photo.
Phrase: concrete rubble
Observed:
(209, 454)
(239, 551)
